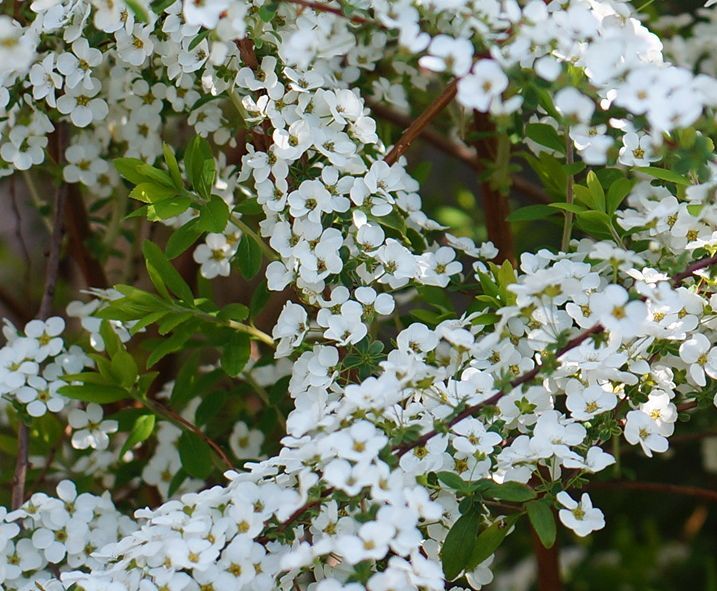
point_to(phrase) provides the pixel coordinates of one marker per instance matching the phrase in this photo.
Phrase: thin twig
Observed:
(320, 7)
(48, 293)
(179, 420)
(660, 487)
(568, 224)
(419, 124)
(456, 150)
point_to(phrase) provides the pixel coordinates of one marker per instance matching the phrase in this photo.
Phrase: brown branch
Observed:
(495, 198)
(419, 124)
(547, 561)
(659, 487)
(78, 230)
(320, 7)
(51, 275)
(456, 150)
(176, 418)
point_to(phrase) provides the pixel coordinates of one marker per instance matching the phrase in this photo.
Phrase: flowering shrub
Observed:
(419, 397)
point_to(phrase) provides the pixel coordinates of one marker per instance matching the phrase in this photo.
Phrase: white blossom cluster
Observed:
(348, 487)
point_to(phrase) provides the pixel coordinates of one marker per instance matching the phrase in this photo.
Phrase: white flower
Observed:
(136, 45)
(480, 88)
(82, 104)
(447, 53)
(290, 328)
(700, 357)
(77, 66)
(640, 428)
(45, 80)
(574, 105)
(214, 256)
(580, 517)
(90, 429)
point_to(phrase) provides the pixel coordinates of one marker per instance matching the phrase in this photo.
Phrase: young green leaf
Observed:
(545, 135)
(142, 429)
(489, 540)
(663, 174)
(99, 393)
(163, 273)
(182, 238)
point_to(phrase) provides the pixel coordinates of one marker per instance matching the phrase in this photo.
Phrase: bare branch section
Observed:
(456, 150)
(657, 487)
(421, 122)
(51, 275)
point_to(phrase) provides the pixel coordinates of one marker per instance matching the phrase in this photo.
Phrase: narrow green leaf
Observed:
(214, 215)
(617, 192)
(165, 272)
(171, 161)
(236, 354)
(508, 491)
(142, 429)
(101, 394)
(489, 540)
(459, 545)
(663, 174)
(182, 238)
(124, 367)
(195, 454)
(150, 192)
(545, 135)
(542, 519)
(596, 191)
(249, 256)
(530, 213)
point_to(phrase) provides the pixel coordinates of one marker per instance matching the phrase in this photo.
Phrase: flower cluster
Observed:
(398, 438)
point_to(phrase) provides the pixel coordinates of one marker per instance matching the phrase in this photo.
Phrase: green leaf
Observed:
(140, 13)
(663, 174)
(268, 11)
(195, 454)
(207, 175)
(99, 393)
(617, 192)
(197, 152)
(459, 544)
(596, 190)
(542, 519)
(214, 215)
(142, 429)
(249, 207)
(236, 354)
(249, 256)
(128, 168)
(182, 238)
(489, 540)
(452, 480)
(168, 208)
(574, 207)
(530, 213)
(238, 312)
(124, 367)
(198, 39)
(109, 337)
(163, 273)
(176, 482)
(545, 135)
(171, 161)
(508, 491)
(172, 344)
(259, 299)
(150, 192)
